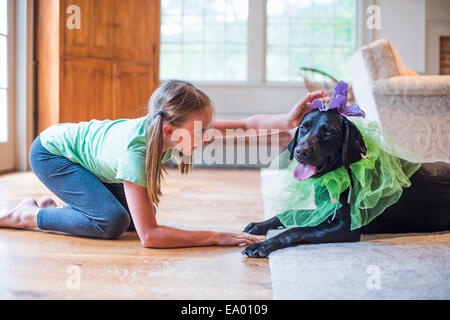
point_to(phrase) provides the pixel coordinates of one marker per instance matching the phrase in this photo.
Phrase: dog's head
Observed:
(323, 142)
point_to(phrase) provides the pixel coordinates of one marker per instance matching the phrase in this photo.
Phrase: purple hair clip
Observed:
(339, 101)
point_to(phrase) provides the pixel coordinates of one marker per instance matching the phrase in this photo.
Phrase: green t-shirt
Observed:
(112, 150)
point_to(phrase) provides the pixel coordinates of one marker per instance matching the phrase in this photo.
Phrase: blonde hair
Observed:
(173, 102)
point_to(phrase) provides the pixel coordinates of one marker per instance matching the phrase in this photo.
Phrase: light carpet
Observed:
(394, 266)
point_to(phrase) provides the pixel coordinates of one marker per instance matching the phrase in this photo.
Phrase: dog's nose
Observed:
(303, 151)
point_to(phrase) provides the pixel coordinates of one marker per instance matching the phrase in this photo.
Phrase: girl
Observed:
(109, 172)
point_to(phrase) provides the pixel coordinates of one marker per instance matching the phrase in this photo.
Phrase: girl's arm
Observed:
(283, 122)
(153, 235)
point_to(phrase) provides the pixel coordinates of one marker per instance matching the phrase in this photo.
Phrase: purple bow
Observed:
(339, 101)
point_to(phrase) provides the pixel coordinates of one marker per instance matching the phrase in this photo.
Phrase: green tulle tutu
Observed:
(378, 182)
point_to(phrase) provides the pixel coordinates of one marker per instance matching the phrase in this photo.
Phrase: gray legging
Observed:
(95, 209)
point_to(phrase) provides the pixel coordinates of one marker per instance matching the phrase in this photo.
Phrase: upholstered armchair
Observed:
(413, 109)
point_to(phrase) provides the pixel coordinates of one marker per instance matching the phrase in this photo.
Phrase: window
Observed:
(3, 71)
(309, 33)
(204, 40)
(217, 40)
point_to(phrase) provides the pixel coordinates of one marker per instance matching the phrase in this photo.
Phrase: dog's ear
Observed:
(292, 145)
(353, 146)
(353, 149)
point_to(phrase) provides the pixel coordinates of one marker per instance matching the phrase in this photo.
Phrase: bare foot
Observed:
(22, 216)
(46, 202)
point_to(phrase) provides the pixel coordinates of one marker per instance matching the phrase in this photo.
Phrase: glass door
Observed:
(6, 91)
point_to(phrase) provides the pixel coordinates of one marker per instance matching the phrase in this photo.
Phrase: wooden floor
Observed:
(37, 265)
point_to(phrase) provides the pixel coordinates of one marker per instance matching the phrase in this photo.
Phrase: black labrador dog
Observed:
(328, 140)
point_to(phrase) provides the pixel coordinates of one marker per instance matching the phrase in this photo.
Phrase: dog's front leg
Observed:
(335, 231)
(261, 228)
(288, 238)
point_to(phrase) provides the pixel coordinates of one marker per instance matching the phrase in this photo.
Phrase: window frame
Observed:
(243, 43)
(9, 65)
(7, 147)
(256, 48)
(256, 96)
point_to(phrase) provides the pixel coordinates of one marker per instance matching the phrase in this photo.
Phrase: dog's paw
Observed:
(256, 228)
(259, 249)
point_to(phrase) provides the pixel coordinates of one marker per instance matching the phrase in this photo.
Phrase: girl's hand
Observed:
(235, 239)
(295, 117)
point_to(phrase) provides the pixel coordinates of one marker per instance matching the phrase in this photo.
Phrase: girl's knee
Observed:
(118, 222)
(32, 154)
(36, 154)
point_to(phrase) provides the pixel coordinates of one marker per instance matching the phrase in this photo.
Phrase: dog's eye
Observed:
(325, 132)
(304, 127)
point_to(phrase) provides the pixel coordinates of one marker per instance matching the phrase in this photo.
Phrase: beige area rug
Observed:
(394, 266)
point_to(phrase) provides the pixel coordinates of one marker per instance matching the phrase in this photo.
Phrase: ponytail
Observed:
(154, 167)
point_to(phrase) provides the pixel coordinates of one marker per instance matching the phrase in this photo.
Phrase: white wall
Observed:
(403, 24)
(437, 23)
(438, 10)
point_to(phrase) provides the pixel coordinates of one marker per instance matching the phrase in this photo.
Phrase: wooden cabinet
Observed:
(129, 80)
(107, 69)
(87, 90)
